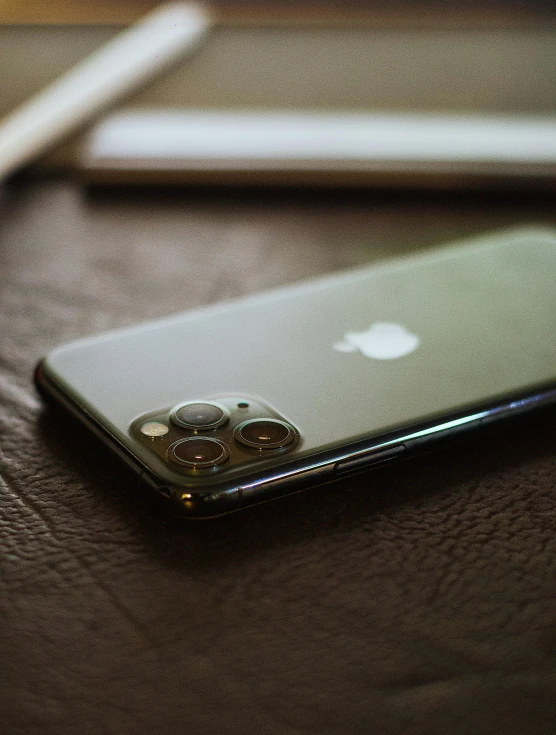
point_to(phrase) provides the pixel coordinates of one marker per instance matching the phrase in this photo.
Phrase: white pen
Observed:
(119, 67)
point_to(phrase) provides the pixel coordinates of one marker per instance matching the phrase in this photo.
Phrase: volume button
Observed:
(368, 459)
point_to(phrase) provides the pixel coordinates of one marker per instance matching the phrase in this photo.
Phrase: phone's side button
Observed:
(368, 459)
(312, 476)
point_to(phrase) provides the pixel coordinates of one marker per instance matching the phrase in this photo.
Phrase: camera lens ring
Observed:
(189, 415)
(246, 434)
(191, 452)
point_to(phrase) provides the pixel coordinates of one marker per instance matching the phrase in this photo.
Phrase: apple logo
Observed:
(382, 341)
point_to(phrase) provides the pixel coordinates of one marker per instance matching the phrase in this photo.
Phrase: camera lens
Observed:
(264, 433)
(199, 452)
(200, 415)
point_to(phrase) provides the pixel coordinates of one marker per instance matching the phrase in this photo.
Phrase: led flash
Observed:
(154, 429)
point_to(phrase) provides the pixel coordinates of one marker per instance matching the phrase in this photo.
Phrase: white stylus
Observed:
(120, 66)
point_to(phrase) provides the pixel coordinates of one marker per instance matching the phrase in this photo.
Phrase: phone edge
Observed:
(333, 464)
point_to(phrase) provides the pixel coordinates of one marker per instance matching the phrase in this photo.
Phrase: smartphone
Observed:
(249, 400)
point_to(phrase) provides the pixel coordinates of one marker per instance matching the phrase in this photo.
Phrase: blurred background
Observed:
(174, 233)
(458, 67)
(418, 600)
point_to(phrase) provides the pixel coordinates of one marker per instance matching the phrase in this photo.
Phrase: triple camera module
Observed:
(206, 435)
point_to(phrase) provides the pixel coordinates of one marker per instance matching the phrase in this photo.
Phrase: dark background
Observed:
(418, 599)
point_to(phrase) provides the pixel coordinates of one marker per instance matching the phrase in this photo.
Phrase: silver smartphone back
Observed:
(362, 366)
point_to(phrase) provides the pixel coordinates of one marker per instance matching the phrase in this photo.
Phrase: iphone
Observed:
(249, 400)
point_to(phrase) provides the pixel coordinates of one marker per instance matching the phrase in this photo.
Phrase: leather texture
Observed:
(419, 598)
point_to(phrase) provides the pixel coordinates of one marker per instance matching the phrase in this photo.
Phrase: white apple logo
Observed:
(382, 341)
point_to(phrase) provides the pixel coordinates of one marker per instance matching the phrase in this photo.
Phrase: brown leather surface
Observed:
(420, 598)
